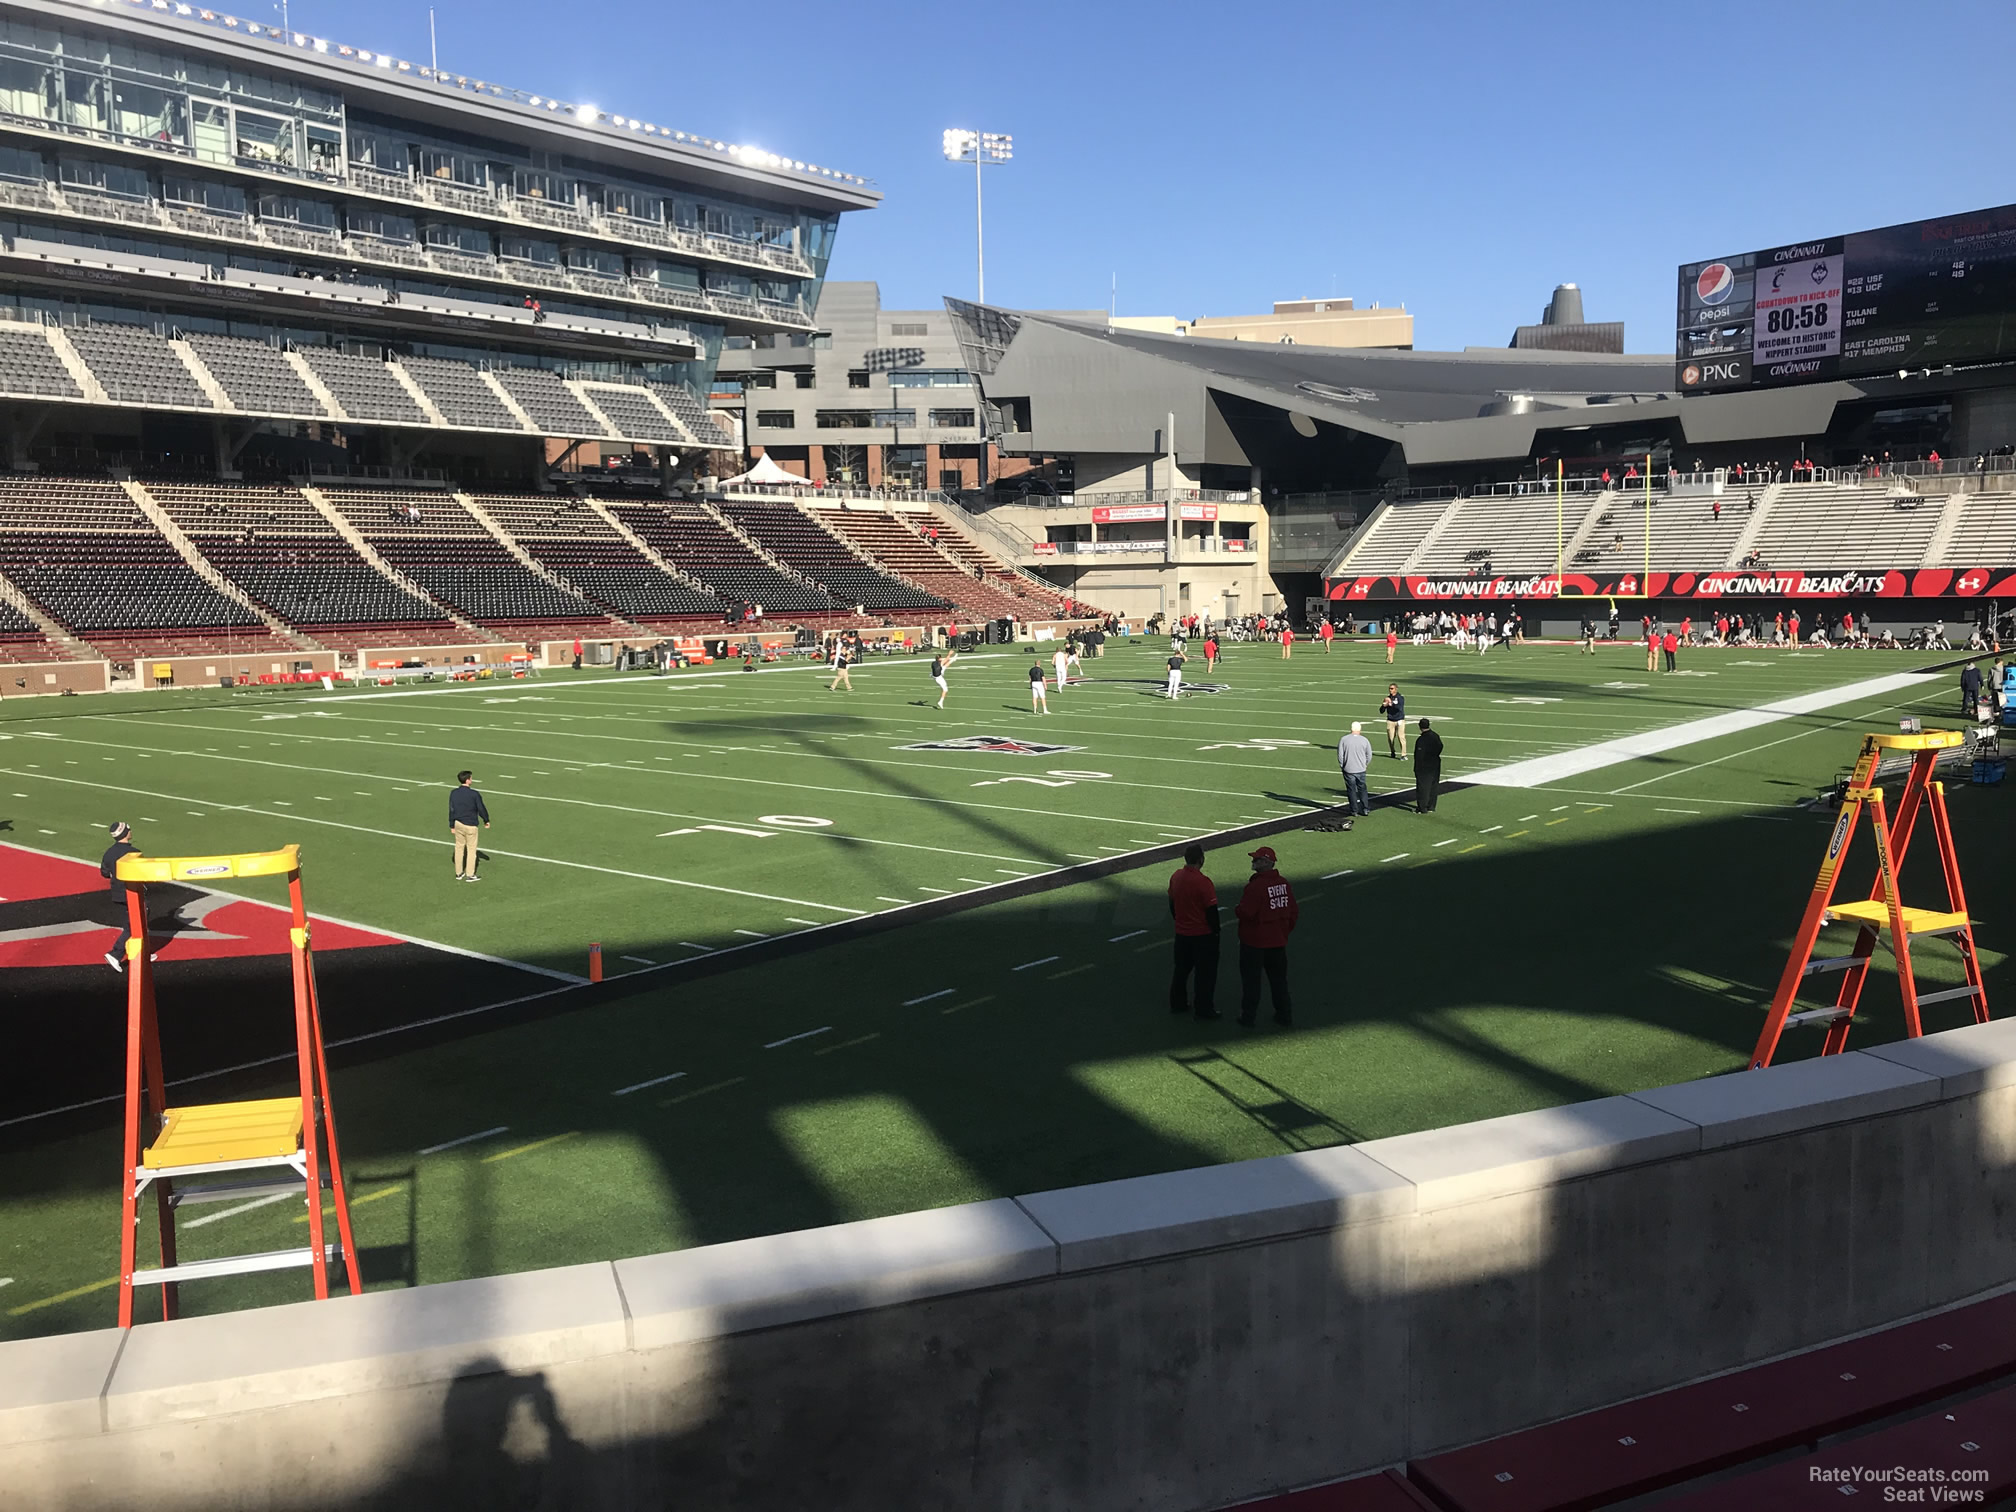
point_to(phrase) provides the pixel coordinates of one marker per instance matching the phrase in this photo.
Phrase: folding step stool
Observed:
(1885, 907)
(292, 1139)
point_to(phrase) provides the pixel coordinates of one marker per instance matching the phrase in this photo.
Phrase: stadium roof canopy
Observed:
(1073, 384)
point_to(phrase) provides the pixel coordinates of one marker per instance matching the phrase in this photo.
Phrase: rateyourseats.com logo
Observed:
(1911, 1485)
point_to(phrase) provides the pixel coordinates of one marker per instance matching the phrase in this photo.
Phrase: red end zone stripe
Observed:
(215, 927)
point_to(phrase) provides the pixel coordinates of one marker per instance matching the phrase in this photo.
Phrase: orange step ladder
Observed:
(261, 1147)
(1885, 907)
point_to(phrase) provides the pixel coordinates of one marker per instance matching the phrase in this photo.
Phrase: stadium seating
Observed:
(1687, 535)
(29, 365)
(1396, 530)
(21, 639)
(578, 545)
(256, 376)
(545, 398)
(803, 545)
(364, 386)
(1987, 533)
(448, 552)
(635, 416)
(892, 541)
(1517, 534)
(686, 409)
(1033, 598)
(457, 390)
(135, 365)
(1841, 525)
(698, 544)
(276, 546)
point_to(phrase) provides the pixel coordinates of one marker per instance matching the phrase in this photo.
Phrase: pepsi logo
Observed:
(1715, 283)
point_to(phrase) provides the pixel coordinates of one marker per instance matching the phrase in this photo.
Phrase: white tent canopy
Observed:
(765, 471)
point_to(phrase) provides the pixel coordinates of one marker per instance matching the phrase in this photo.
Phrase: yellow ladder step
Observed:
(215, 1132)
(1916, 920)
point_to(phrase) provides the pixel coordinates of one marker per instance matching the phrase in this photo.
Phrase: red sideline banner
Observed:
(1129, 514)
(1759, 583)
(1044, 548)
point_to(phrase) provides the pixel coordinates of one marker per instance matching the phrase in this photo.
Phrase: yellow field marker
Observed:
(69, 1296)
(1516, 834)
(702, 1091)
(969, 1003)
(849, 1044)
(1469, 848)
(1557, 821)
(524, 1149)
(357, 1202)
(1074, 971)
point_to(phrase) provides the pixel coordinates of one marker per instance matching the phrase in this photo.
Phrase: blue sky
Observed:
(1460, 159)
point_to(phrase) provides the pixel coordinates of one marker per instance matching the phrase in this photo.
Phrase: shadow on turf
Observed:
(1615, 927)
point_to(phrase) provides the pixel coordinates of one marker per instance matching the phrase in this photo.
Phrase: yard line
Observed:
(673, 1102)
(904, 901)
(1401, 857)
(364, 829)
(640, 960)
(243, 1207)
(789, 1038)
(974, 880)
(1675, 811)
(808, 923)
(1558, 808)
(929, 996)
(860, 1039)
(656, 1081)
(973, 1002)
(1120, 849)
(1330, 877)
(1044, 962)
(708, 949)
(1440, 843)
(449, 1144)
(1116, 939)
(1007, 873)
(1488, 831)
(1528, 818)
(943, 892)
(756, 933)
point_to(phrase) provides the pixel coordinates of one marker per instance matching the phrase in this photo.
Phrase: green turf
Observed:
(1516, 949)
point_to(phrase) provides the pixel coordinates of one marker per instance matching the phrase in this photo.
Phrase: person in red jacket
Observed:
(1672, 651)
(1267, 914)
(1287, 642)
(1329, 634)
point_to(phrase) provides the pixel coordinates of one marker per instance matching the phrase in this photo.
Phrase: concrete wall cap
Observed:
(49, 1387)
(271, 1356)
(1967, 1061)
(787, 1278)
(1144, 1217)
(1797, 1095)
(1522, 1151)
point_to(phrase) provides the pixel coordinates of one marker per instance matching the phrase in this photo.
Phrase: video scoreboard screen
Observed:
(1920, 295)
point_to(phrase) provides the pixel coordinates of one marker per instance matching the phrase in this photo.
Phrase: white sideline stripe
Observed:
(1440, 843)
(364, 829)
(929, 996)
(1540, 770)
(449, 1144)
(243, 1207)
(392, 934)
(790, 1037)
(1044, 962)
(1401, 857)
(656, 1081)
(1333, 876)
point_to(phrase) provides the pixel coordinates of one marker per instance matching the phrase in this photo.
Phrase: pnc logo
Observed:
(1715, 283)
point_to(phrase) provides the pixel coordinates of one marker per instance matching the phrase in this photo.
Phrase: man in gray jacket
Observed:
(1354, 758)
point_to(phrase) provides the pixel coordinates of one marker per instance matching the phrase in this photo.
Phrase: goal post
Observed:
(1563, 588)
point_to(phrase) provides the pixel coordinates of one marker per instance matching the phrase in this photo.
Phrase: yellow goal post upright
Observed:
(1561, 585)
(278, 1145)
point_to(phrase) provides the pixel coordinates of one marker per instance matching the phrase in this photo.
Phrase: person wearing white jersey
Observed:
(1061, 660)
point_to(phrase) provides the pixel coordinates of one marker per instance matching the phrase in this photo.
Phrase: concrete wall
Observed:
(1172, 1341)
(204, 671)
(36, 679)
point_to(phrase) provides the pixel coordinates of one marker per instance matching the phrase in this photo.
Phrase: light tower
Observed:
(983, 149)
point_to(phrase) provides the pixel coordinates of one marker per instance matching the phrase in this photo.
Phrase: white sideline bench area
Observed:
(1187, 1339)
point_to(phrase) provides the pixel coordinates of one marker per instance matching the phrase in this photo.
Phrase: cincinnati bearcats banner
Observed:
(1759, 583)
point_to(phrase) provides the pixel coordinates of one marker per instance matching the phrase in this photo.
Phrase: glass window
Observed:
(596, 261)
(685, 214)
(952, 419)
(931, 378)
(903, 466)
(728, 281)
(634, 203)
(25, 88)
(735, 344)
(895, 417)
(204, 194)
(915, 328)
(325, 150)
(394, 228)
(671, 274)
(808, 380)
(529, 183)
(525, 249)
(853, 419)
(300, 212)
(20, 164)
(455, 167)
(468, 240)
(107, 178)
(378, 150)
(264, 138)
(776, 419)
(210, 131)
(151, 115)
(857, 379)
(759, 380)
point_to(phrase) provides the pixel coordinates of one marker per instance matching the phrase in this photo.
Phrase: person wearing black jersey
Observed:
(1176, 660)
(108, 868)
(1038, 702)
(938, 666)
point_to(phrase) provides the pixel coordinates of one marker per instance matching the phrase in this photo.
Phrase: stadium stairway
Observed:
(1746, 540)
(532, 564)
(1938, 550)
(364, 549)
(757, 549)
(1442, 524)
(56, 643)
(208, 571)
(1895, 1389)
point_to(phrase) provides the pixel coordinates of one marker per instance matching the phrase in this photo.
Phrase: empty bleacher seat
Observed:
(364, 386)
(29, 365)
(633, 414)
(1987, 533)
(256, 376)
(689, 413)
(807, 547)
(698, 544)
(544, 397)
(1840, 525)
(135, 365)
(569, 538)
(458, 391)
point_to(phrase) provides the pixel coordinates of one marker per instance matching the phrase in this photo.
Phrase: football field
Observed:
(865, 956)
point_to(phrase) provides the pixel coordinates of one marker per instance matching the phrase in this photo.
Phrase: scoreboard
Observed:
(1926, 294)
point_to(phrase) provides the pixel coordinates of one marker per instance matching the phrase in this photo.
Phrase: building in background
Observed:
(869, 398)
(1562, 328)
(1295, 322)
(228, 244)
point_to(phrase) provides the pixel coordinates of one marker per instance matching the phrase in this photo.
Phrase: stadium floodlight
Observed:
(983, 149)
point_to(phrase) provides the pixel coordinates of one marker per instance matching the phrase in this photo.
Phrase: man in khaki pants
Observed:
(465, 808)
